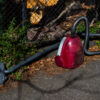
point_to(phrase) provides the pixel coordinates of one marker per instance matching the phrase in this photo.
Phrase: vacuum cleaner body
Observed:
(70, 53)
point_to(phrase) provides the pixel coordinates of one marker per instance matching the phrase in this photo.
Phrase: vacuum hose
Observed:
(86, 41)
(33, 58)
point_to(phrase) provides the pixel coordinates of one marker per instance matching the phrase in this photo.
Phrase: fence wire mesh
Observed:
(36, 12)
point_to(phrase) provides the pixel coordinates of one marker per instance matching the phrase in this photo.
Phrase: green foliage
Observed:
(18, 75)
(80, 27)
(98, 43)
(14, 45)
(94, 29)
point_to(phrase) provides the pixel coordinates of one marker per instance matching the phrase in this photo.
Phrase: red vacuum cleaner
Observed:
(70, 53)
(71, 50)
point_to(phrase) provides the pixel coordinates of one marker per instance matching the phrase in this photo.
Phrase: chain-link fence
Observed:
(22, 11)
(11, 9)
(45, 16)
(37, 12)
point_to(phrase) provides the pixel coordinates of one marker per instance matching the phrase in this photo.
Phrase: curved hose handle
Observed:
(86, 41)
(73, 29)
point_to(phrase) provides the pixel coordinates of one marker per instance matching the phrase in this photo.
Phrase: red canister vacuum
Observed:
(70, 53)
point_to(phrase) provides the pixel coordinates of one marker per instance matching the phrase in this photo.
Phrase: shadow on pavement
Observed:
(69, 84)
(33, 86)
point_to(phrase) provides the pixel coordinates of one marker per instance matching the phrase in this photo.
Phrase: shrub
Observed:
(14, 45)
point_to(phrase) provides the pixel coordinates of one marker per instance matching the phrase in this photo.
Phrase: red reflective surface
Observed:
(72, 54)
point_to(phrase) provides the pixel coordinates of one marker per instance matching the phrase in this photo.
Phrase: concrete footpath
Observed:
(82, 83)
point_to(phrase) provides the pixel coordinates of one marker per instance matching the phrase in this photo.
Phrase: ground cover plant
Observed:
(14, 45)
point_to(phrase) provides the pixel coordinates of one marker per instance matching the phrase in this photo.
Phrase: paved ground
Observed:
(82, 83)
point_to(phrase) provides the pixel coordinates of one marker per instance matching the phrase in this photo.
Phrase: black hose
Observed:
(90, 34)
(33, 58)
(86, 36)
